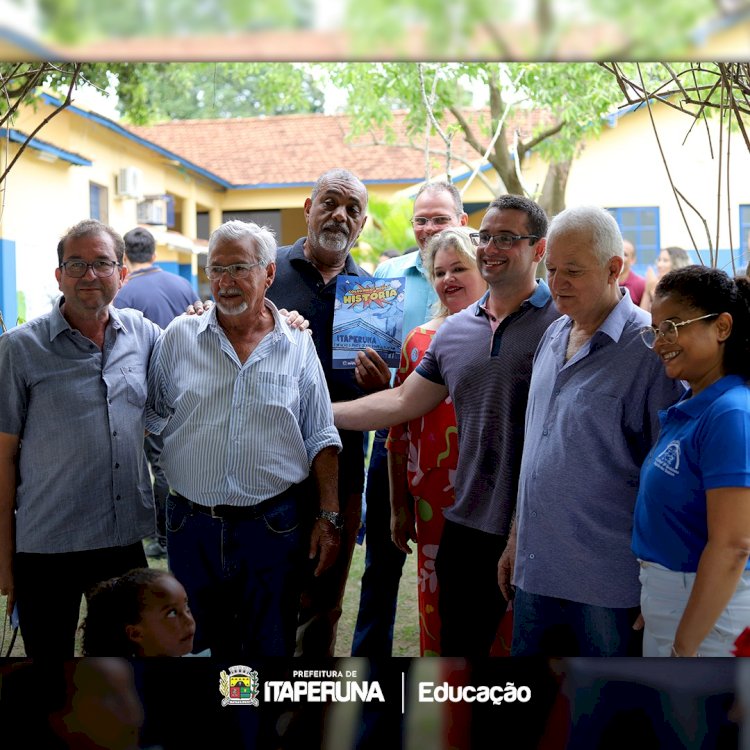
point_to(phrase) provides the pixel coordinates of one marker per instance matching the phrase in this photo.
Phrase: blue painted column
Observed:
(186, 271)
(8, 300)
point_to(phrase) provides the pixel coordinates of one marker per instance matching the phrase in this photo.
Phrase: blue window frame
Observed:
(98, 202)
(640, 225)
(742, 253)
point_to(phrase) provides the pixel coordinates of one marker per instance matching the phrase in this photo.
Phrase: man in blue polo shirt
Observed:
(592, 416)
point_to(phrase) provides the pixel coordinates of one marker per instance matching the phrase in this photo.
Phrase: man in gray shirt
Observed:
(75, 491)
(592, 417)
(482, 357)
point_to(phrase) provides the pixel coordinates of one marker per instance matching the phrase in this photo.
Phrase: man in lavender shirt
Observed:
(591, 418)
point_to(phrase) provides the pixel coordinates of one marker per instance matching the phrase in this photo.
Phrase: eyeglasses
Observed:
(79, 268)
(236, 270)
(667, 330)
(503, 240)
(438, 221)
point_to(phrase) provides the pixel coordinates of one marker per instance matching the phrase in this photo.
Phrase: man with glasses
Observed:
(437, 206)
(481, 357)
(249, 418)
(75, 491)
(592, 416)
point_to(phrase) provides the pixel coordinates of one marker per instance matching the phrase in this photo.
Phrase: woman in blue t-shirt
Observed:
(692, 517)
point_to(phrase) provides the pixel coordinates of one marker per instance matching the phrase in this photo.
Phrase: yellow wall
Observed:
(624, 168)
(43, 199)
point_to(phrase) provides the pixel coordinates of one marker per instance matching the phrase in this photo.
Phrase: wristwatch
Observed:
(332, 516)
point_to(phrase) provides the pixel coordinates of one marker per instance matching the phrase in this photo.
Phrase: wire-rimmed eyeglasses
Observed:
(77, 269)
(438, 221)
(667, 330)
(236, 270)
(502, 240)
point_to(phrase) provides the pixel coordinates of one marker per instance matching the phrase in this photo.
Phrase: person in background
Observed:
(692, 517)
(388, 254)
(423, 453)
(669, 259)
(161, 296)
(437, 207)
(634, 283)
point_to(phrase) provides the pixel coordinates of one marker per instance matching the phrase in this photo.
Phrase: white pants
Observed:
(664, 596)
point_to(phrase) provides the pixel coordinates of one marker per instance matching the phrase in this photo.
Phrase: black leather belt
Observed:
(232, 512)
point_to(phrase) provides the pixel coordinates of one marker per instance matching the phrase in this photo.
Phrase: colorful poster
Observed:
(368, 312)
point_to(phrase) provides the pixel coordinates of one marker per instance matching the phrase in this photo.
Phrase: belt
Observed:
(232, 512)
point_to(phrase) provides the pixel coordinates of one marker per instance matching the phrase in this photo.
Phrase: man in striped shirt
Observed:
(248, 418)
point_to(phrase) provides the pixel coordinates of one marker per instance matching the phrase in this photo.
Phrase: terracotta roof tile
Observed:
(293, 149)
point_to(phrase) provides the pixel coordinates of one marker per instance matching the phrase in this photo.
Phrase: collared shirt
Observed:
(704, 445)
(161, 296)
(419, 296)
(299, 286)
(83, 478)
(590, 423)
(487, 374)
(238, 433)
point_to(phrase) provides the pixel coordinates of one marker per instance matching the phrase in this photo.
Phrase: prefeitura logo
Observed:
(240, 687)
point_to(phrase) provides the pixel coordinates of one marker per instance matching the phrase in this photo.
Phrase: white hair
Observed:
(237, 231)
(606, 236)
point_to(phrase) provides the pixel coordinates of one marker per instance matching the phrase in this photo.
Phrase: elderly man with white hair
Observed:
(591, 419)
(249, 417)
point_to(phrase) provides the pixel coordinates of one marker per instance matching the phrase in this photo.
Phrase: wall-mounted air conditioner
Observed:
(129, 181)
(153, 210)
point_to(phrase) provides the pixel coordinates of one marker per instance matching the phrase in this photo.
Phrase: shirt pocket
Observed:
(135, 385)
(276, 390)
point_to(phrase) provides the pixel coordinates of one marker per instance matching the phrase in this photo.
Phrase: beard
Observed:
(231, 309)
(332, 239)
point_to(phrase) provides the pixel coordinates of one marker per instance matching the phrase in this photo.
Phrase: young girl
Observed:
(142, 613)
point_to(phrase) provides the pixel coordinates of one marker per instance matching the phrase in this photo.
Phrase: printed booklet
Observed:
(368, 312)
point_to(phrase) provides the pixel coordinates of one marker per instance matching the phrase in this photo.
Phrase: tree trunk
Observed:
(552, 199)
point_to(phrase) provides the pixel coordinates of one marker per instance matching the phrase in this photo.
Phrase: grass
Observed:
(406, 630)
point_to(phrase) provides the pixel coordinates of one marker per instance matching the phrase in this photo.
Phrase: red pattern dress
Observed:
(431, 445)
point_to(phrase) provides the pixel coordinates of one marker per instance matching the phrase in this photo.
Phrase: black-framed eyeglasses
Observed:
(78, 268)
(236, 270)
(438, 221)
(502, 240)
(667, 330)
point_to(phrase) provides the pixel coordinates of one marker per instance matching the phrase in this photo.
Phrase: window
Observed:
(742, 255)
(641, 227)
(99, 202)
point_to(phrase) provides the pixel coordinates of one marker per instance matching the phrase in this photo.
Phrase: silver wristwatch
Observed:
(332, 516)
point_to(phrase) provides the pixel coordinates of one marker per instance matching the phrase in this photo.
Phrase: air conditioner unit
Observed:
(129, 180)
(153, 210)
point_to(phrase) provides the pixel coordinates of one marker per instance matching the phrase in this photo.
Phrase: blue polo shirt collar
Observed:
(539, 298)
(694, 406)
(58, 324)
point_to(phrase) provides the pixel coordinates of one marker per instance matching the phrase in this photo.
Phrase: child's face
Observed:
(167, 627)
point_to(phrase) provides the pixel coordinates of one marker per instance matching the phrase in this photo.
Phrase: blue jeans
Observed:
(242, 576)
(373, 633)
(548, 626)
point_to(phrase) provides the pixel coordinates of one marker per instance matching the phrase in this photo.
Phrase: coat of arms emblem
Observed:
(240, 687)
